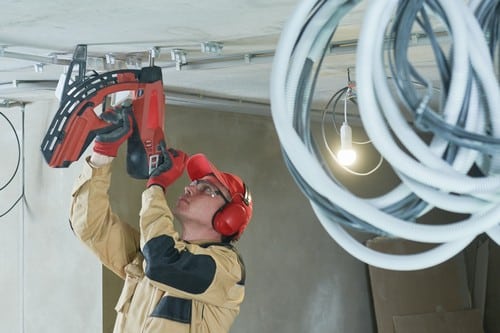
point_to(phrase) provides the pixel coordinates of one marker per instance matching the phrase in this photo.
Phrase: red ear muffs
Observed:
(232, 218)
(229, 219)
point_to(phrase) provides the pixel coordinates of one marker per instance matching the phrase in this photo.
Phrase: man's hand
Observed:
(120, 119)
(174, 163)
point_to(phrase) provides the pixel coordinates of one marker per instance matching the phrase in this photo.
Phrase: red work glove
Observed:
(120, 118)
(174, 162)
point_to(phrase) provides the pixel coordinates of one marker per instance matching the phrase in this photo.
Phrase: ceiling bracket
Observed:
(248, 58)
(212, 47)
(180, 58)
(154, 53)
(110, 58)
(39, 67)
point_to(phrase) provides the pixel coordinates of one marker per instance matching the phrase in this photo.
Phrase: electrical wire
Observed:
(464, 130)
(15, 172)
(348, 95)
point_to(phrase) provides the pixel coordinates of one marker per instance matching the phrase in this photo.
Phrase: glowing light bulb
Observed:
(346, 155)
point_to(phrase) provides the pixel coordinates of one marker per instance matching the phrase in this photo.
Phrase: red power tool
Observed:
(76, 122)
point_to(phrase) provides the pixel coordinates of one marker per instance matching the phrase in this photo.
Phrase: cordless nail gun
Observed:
(76, 122)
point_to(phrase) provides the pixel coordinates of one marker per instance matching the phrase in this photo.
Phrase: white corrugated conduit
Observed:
(465, 129)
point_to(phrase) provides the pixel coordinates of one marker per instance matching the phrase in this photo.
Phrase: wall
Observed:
(50, 283)
(298, 279)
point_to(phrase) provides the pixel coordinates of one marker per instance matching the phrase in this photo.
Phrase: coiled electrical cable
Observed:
(464, 130)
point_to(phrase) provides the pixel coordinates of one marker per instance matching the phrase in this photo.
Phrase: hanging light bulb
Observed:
(346, 155)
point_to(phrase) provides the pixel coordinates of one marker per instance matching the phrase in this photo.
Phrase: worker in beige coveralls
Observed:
(188, 282)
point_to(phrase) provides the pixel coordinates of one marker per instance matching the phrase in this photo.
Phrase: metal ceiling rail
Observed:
(35, 58)
(416, 39)
(214, 61)
(179, 98)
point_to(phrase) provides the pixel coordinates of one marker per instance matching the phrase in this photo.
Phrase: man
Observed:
(192, 282)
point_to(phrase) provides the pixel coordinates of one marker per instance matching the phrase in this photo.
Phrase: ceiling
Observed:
(224, 48)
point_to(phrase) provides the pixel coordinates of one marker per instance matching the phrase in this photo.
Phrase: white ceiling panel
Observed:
(37, 40)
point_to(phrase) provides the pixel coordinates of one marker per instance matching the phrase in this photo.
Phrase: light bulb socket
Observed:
(345, 136)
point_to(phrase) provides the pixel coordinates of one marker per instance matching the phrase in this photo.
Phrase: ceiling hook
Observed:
(154, 52)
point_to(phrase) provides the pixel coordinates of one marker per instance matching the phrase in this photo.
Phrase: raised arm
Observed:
(115, 242)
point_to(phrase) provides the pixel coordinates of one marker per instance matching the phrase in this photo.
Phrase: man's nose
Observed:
(188, 190)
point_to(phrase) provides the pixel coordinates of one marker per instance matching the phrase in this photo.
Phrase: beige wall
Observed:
(298, 279)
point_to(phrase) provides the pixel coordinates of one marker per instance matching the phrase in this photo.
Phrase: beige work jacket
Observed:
(170, 285)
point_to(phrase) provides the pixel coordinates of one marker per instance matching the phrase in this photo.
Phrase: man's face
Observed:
(201, 200)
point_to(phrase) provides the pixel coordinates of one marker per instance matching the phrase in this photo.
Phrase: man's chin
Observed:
(180, 206)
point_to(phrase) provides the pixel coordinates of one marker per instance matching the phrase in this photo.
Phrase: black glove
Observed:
(107, 143)
(174, 163)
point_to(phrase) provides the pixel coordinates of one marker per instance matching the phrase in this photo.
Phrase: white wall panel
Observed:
(52, 283)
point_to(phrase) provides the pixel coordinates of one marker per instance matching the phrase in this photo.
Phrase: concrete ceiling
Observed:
(37, 40)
